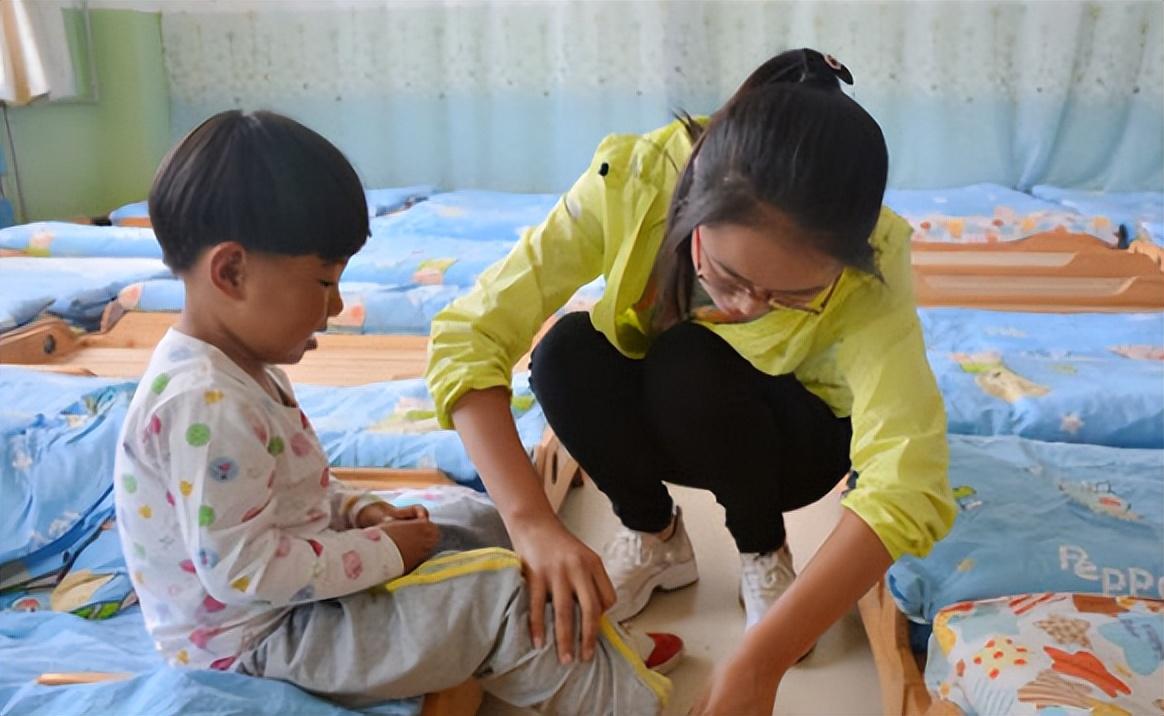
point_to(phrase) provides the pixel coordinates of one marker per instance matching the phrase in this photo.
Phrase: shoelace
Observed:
(766, 571)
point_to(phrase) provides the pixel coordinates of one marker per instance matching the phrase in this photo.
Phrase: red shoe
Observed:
(667, 653)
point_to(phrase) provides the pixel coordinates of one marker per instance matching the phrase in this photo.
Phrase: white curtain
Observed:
(35, 58)
(515, 95)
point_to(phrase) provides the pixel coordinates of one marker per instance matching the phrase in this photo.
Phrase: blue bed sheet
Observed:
(380, 201)
(35, 643)
(989, 213)
(16, 309)
(369, 308)
(394, 425)
(136, 210)
(1038, 517)
(77, 289)
(1127, 209)
(474, 215)
(1077, 378)
(61, 239)
(397, 258)
(1152, 230)
(974, 200)
(393, 199)
(56, 469)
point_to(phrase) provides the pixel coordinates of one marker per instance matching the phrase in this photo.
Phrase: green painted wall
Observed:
(89, 158)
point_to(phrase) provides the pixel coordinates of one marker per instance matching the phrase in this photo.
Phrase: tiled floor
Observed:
(837, 679)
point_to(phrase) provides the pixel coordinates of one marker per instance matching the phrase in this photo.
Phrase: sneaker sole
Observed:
(669, 665)
(677, 577)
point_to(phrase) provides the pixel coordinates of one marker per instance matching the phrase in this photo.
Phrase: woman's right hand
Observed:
(555, 563)
(560, 567)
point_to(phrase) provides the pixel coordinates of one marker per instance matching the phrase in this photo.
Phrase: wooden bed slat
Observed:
(903, 689)
(37, 342)
(1054, 271)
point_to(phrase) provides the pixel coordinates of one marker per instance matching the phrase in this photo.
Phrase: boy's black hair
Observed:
(262, 180)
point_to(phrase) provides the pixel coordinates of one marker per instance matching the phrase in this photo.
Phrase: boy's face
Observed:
(290, 299)
(275, 304)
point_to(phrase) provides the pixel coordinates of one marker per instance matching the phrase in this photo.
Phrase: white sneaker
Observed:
(763, 578)
(639, 563)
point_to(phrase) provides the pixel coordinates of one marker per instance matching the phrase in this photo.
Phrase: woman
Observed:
(757, 337)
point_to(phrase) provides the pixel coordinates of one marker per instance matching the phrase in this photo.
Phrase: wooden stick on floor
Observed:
(67, 678)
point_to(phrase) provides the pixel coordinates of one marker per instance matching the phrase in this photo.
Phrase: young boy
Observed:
(245, 554)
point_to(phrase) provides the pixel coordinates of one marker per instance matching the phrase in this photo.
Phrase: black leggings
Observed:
(692, 412)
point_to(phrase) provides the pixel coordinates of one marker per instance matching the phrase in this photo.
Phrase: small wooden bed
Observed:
(1053, 272)
(123, 351)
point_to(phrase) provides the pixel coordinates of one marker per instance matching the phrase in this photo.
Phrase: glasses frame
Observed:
(732, 286)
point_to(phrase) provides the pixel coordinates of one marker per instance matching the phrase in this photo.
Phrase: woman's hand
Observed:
(738, 687)
(556, 564)
(849, 562)
(559, 566)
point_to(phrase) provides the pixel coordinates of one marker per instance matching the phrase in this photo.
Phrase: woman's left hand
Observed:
(849, 562)
(738, 687)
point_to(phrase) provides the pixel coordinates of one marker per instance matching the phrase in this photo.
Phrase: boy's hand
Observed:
(415, 538)
(377, 512)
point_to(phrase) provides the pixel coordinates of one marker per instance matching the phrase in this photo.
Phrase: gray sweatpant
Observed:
(458, 615)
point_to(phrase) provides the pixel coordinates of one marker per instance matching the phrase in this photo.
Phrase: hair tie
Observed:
(842, 73)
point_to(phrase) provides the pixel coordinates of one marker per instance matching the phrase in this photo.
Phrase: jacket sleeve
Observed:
(478, 338)
(899, 446)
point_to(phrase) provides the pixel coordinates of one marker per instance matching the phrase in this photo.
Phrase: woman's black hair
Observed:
(789, 139)
(262, 180)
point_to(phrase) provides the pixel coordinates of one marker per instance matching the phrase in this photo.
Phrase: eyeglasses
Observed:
(718, 278)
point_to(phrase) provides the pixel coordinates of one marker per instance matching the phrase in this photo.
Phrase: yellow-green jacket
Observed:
(863, 355)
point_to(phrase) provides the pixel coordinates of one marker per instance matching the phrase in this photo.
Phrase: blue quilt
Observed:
(76, 289)
(136, 210)
(380, 202)
(393, 257)
(41, 642)
(1076, 378)
(474, 215)
(1042, 517)
(973, 200)
(61, 239)
(1127, 209)
(393, 199)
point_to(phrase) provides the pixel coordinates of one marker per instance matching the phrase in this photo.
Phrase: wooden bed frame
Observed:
(899, 670)
(1054, 271)
(124, 350)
